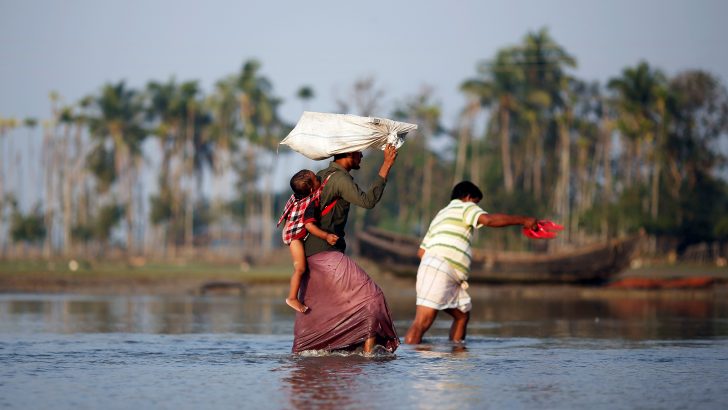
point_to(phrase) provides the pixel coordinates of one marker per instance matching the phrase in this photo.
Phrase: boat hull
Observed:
(595, 263)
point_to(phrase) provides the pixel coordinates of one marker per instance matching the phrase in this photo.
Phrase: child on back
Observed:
(301, 213)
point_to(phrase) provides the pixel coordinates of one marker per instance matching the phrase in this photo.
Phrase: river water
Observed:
(190, 352)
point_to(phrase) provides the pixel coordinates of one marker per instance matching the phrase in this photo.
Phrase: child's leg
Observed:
(299, 267)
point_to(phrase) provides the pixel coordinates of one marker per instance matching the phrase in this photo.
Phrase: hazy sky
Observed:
(75, 46)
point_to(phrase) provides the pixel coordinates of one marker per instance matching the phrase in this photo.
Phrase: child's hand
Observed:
(332, 239)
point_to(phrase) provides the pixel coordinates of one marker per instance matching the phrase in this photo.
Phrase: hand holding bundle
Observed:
(320, 135)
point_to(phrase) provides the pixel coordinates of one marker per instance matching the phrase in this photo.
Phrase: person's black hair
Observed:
(301, 183)
(342, 155)
(466, 188)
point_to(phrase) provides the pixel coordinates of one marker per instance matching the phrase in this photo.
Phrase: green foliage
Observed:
(202, 217)
(107, 218)
(82, 233)
(28, 228)
(101, 162)
(642, 149)
(704, 207)
(721, 228)
(161, 206)
(632, 208)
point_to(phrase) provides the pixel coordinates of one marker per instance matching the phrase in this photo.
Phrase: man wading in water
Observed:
(346, 308)
(445, 255)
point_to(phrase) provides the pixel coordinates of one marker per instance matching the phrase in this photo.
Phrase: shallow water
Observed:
(73, 351)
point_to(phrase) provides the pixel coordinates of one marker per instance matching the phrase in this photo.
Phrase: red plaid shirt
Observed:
(294, 213)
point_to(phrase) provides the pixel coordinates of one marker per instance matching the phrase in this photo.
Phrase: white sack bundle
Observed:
(321, 135)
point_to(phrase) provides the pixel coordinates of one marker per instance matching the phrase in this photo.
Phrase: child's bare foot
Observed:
(296, 305)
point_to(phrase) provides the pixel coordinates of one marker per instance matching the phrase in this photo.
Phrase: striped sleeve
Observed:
(425, 240)
(471, 214)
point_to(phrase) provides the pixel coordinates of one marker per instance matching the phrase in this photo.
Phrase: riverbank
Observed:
(117, 277)
(199, 277)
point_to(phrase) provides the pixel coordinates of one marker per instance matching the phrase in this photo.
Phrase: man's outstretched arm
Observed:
(501, 220)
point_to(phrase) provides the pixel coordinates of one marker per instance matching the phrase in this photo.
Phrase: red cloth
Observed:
(294, 213)
(545, 229)
(345, 307)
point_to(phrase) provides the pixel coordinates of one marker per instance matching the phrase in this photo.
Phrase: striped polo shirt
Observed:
(450, 233)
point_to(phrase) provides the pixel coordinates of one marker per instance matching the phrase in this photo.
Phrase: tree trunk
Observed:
(505, 137)
(426, 190)
(657, 162)
(474, 161)
(561, 202)
(538, 165)
(2, 193)
(463, 140)
(190, 168)
(48, 159)
(67, 180)
(267, 214)
(585, 182)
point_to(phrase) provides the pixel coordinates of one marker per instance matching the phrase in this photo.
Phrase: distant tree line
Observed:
(639, 152)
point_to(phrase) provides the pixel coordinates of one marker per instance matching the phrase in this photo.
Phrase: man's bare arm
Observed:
(501, 220)
(390, 155)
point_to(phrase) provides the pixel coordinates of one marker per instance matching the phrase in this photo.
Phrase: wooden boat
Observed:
(595, 263)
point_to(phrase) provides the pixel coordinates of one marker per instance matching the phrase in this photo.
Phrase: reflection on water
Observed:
(120, 352)
(628, 318)
(143, 314)
(318, 382)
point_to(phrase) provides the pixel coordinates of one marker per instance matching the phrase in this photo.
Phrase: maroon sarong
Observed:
(345, 307)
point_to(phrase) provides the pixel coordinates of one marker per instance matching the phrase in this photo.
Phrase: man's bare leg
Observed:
(459, 326)
(369, 344)
(424, 317)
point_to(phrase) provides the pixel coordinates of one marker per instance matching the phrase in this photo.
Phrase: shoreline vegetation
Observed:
(209, 278)
(172, 169)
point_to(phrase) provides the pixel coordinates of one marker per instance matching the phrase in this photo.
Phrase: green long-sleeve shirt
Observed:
(342, 188)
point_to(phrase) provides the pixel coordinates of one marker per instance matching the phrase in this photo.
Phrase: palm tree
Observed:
(564, 122)
(65, 173)
(223, 133)
(637, 92)
(6, 126)
(544, 63)
(465, 129)
(165, 110)
(49, 162)
(589, 144)
(30, 124)
(415, 178)
(117, 121)
(261, 127)
(498, 90)
(697, 104)
(640, 94)
(178, 118)
(199, 156)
